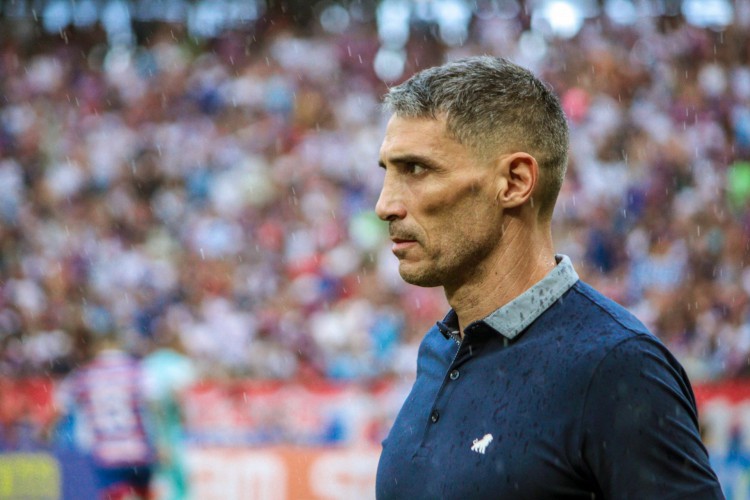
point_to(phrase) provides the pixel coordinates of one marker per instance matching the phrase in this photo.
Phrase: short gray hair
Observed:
(492, 105)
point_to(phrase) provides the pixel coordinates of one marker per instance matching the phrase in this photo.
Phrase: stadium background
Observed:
(203, 174)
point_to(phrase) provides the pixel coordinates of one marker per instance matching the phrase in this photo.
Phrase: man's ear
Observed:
(518, 175)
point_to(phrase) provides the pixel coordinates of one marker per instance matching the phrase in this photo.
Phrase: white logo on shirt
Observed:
(480, 445)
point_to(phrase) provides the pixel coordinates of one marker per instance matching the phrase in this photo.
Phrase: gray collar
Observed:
(516, 315)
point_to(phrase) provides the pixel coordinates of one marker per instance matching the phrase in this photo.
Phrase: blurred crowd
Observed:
(218, 194)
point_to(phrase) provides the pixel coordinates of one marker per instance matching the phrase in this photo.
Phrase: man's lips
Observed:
(401, 244)
(402, 238)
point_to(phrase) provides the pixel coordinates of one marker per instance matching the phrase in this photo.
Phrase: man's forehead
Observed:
(410, 135)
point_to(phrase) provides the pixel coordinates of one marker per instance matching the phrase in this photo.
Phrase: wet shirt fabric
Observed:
(561, 393)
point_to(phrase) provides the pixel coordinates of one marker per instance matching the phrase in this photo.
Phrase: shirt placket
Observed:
(441, 403)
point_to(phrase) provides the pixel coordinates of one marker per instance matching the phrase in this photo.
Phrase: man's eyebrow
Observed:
(410, 158)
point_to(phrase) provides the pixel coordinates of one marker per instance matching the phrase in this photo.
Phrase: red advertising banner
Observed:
(27, 399)
(255, 413)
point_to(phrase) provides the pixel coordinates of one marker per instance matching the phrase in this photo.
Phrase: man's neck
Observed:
(525, 257)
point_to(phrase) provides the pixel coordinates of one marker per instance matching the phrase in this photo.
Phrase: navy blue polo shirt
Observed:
(559, 394)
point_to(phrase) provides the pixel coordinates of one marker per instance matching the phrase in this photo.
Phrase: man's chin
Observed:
(418, 277)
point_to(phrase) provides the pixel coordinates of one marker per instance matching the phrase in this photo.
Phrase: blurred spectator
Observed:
(106, 399)
(168, 373)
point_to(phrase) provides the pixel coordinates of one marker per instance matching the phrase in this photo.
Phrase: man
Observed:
(106, 397)
(534, 385)
(168, 373)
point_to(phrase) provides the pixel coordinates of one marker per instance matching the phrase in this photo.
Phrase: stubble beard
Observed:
(426, 278)
(449, 264)
(446, 270)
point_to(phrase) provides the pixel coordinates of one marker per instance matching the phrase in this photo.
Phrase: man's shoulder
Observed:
(602, 312)
(594, 325)
(590, 336)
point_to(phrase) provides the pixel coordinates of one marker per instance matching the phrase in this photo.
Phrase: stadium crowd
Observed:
(221, 192)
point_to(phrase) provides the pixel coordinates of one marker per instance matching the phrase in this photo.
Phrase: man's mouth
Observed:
(401, 244)
(401, 239)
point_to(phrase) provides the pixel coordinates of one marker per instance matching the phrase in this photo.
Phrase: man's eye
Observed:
(416, 168)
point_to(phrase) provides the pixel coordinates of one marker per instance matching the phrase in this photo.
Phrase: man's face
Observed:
(439, 199)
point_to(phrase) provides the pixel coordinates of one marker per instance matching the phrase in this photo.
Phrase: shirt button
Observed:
(454, 374)
(435, 416)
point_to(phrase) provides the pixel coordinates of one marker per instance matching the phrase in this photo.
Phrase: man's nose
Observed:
(390, 204)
